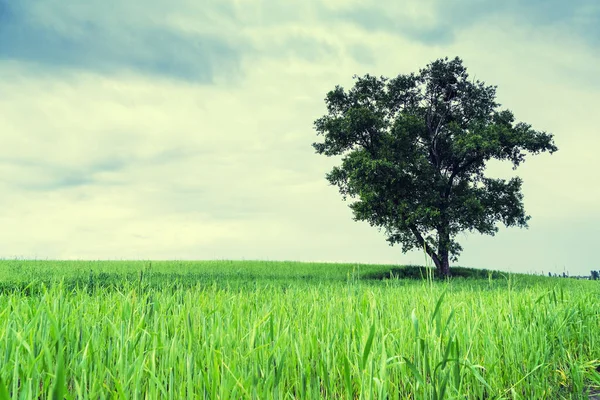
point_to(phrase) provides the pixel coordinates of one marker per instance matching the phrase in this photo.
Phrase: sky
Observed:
(183, 129)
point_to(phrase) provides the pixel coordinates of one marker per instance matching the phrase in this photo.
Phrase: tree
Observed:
(414, 150)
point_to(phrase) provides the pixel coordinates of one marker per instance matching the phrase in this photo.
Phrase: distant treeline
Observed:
(594, 276)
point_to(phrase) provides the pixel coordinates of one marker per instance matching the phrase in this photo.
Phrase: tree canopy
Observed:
(414, 150)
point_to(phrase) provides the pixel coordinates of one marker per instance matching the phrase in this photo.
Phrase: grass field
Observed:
(285, 330)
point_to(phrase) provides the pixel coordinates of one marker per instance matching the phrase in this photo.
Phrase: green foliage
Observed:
(414, 150)
(307, 336)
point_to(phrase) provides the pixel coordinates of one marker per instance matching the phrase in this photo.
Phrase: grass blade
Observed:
(367, 348)
(4, 395)
(58, 390)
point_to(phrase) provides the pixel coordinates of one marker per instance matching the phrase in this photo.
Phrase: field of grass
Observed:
(285, 330)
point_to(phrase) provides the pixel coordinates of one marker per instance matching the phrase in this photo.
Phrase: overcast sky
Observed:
(182, 129)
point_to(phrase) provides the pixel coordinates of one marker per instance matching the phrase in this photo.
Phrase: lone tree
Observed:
(414, 150)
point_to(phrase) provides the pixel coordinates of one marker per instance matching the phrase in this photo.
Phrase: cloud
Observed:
(60, 35)
(415, 21)
(436, 23)
(578, 16)
(187, 41)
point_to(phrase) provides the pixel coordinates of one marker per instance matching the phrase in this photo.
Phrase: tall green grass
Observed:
(235, 330)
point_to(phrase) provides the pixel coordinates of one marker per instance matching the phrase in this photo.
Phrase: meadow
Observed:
(288, 330)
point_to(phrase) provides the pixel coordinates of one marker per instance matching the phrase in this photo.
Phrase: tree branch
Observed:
(455, 171)
(422, 243)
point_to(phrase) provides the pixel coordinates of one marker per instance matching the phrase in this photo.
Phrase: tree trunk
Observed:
(444, 266)
(440, 259)
(443, 248)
